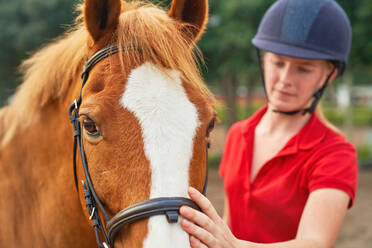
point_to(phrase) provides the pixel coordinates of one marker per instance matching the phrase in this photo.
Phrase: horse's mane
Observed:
(49, 73)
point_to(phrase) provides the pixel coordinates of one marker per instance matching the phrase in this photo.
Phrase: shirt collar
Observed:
(308, 137)
(251, 123)
(312, 133)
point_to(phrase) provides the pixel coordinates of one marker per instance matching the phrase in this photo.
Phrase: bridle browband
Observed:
(168, 206)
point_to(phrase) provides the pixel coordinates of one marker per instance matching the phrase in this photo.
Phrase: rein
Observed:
(168, 206)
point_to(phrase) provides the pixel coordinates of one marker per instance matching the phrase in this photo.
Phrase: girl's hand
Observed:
(206, 229)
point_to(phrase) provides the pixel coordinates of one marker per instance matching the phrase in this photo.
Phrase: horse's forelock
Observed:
(160, 40)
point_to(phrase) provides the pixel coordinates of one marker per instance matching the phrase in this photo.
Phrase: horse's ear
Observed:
(101, 17)
(192, 12)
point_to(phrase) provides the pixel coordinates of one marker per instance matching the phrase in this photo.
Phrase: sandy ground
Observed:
(356, 231)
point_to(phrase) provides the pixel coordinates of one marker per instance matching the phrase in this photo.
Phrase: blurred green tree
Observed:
(26, 25)
(360, 63)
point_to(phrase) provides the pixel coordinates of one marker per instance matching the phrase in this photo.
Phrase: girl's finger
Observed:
(198, 218)
(199, 233)
(205, 205)
(195, 243)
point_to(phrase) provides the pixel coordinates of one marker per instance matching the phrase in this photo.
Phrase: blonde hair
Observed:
(320, 113)
(319, 108)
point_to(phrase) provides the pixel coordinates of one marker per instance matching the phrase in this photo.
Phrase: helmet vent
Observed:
(298, 19)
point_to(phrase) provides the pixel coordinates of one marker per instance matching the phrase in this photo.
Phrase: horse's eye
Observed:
(91, 128)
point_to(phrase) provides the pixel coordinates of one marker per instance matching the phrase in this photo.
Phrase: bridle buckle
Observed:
(76, 105)
(91, 215)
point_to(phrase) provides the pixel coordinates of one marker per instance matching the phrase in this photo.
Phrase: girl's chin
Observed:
(283, 107)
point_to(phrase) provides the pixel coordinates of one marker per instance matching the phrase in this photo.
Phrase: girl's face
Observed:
(291, 82)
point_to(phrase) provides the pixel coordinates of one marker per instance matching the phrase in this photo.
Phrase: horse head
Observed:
(145, 112)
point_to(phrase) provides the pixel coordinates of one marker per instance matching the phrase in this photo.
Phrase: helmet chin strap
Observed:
(317, 95)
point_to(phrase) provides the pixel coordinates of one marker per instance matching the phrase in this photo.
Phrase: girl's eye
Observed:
(91, 128)
(305, 70)
(278, 63)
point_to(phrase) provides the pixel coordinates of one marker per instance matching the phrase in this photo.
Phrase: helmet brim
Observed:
(293, 50)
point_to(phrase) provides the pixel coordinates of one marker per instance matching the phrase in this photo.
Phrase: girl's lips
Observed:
(284, 93)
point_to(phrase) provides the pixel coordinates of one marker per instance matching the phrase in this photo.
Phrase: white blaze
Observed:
(169, 121)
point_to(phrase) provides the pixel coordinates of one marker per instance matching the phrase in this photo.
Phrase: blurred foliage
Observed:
(227, 42)
(214, 160)
(362, 115)
(360, 14)
(243, 111)
(364, 154)
(335, 115)
(28, 24)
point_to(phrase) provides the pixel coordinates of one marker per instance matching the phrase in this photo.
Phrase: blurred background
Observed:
(232, 73)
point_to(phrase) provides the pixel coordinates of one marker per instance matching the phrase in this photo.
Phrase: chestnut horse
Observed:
(145, 115)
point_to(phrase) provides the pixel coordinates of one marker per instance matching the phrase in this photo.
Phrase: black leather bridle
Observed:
(168, 206)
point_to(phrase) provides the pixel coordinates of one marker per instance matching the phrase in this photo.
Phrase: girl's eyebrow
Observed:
(307, 63)
(301, 62)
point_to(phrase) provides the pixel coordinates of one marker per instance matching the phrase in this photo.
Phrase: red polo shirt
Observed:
(269, 209)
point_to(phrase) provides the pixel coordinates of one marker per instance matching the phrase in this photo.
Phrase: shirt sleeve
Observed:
(337, 169)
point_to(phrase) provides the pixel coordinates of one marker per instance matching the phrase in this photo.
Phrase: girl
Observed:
(289, 176)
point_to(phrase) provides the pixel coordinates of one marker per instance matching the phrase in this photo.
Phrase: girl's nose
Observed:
(286, 75)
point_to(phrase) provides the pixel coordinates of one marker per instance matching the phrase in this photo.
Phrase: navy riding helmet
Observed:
(307, 29)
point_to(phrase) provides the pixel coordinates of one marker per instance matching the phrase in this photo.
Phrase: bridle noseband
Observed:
(168, 206)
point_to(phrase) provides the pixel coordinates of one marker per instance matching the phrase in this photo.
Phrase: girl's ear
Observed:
(334, 75)
(194, 13)
(101, 17)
